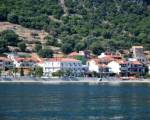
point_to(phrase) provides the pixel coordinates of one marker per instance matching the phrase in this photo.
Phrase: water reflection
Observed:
(74, 102)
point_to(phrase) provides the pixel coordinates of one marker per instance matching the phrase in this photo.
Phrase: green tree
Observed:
(22, 46)
(13, 18)
(66, 48)
(81, 58)
(0, 72)
(94, 74)
(3, 12)
(96, 48)
(3, 46)
(21, 72)
(59, 73)
(80, 46)
(45, 53)
(38, 71)
(15, 71)
(10, 37)
(38, 47)
(51, 41)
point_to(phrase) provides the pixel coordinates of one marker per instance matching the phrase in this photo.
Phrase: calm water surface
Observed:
(75, 102)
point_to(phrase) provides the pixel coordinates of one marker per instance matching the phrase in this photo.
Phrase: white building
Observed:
(127, 67)
(96, 66)
(24, 63)
(55, 64)
(118, 67)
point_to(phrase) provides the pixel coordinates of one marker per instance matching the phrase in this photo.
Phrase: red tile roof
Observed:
(114, 56)
(5, 59)
(73, 54)
(122, 62)
(102, 60)
(106, 58)
(25, 59)
(136, 62)
(63, 60)
(41, 62)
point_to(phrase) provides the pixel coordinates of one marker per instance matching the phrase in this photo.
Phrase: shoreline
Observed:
(77, 82)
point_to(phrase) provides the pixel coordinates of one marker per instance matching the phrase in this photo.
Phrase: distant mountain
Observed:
(84, 24)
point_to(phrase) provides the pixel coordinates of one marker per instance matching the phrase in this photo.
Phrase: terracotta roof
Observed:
(136, 62)
(25, 59)
(5, 59)
(106, 58)
(122, 62)
(74, 54)
(19, 59)
(103, 59)
(54, 59)
(114, 56)
(63, 60)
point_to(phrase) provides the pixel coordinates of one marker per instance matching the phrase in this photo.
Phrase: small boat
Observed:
(100, 79)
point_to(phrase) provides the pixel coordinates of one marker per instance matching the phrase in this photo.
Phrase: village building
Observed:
(138, 54)
(85, 54)
(74, 54)
(24, 60)
(136, 68)
(100, 64)
(110, 55)
(119, 67)
(95, 65)
(127, 68)
(6, 63)
(62, 64)
(26, 64)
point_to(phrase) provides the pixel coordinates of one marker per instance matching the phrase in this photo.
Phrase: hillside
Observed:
(25, 33)
(84, 24)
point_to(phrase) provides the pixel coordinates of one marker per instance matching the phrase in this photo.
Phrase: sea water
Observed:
(75, 102)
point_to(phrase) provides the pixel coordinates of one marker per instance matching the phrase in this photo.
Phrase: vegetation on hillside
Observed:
(8, 38)
(90, 24)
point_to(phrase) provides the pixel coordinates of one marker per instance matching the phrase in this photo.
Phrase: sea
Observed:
(126, 101)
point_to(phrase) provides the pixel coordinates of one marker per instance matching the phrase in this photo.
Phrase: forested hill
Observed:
(84, 24)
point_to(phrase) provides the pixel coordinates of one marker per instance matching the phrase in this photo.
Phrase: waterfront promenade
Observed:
(76, 80)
